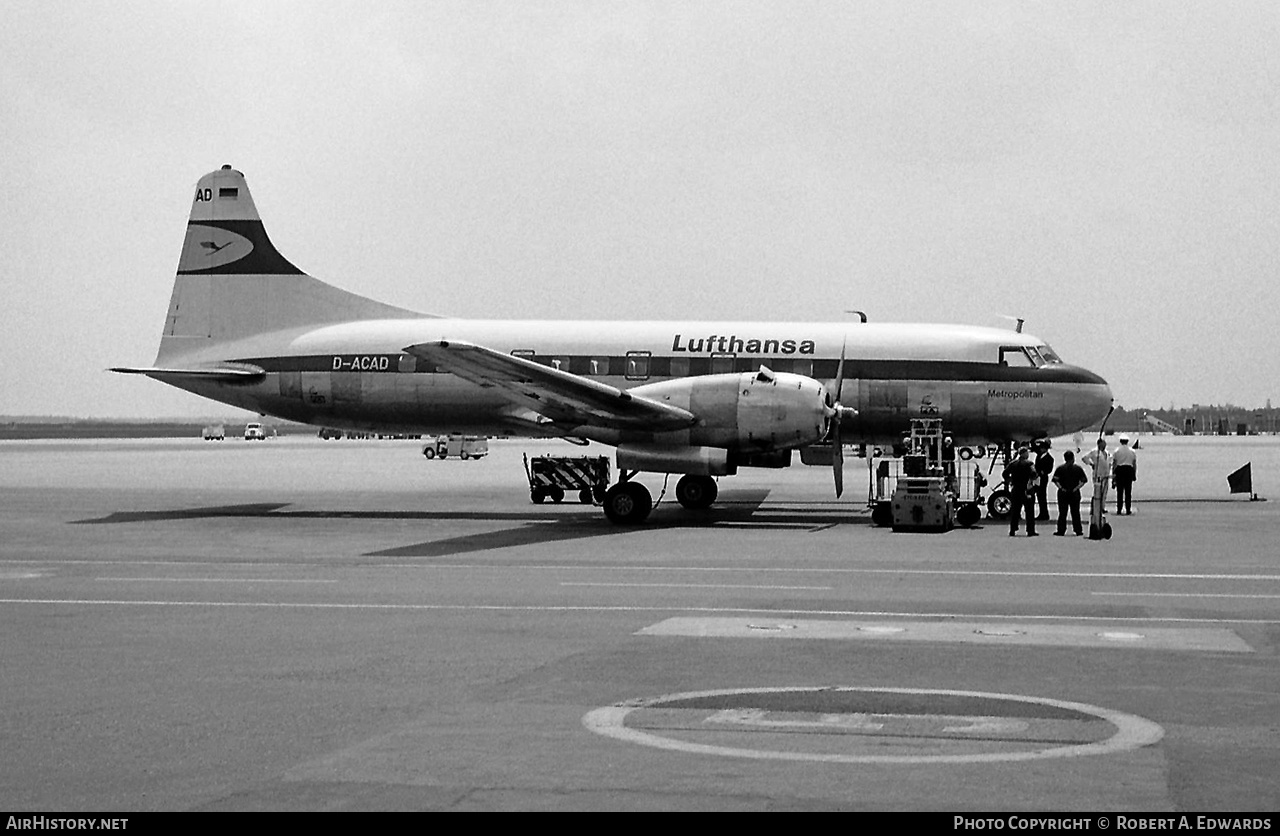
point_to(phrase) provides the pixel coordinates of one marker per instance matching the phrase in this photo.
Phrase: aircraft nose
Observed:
(1090, 403)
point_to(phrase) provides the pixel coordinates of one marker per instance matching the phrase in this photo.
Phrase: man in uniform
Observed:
(1020, 476)
(1044, 472)
(1124, 470)
(1069, 478)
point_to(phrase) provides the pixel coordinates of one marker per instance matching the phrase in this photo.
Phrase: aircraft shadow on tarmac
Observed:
(537, 524)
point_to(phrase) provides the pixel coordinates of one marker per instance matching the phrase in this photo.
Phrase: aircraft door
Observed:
(929, 399)
(317, 390)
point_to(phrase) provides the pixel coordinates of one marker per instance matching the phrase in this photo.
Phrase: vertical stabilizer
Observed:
(233, 283)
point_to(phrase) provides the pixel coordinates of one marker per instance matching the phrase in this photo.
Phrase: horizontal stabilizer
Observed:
(240, 373)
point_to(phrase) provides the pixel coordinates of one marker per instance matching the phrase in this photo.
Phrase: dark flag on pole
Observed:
(1242, 480)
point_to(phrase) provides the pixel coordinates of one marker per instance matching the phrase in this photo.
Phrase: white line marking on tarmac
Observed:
(218, 580)
(692, 585)
(1205, 639)
(627, 609)
(1185, 594)
(835, 570)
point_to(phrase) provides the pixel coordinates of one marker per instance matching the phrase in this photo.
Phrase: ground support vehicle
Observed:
(463, 446)
(1099, 528)
(254, 432)
(928, 488)
(213, 432)
(552, 477)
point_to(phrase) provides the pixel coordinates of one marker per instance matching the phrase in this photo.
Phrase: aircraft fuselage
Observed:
(982, 382)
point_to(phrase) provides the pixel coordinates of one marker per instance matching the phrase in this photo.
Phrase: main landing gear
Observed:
(696, 492)
(629, 503)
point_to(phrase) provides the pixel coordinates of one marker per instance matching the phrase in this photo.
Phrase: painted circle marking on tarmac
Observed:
(1131, 731)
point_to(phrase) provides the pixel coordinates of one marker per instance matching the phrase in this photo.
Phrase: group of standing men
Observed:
(1028, 483)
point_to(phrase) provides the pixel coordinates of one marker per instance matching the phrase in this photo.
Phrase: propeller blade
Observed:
(837, 456)
(837, 417)
(840, 371)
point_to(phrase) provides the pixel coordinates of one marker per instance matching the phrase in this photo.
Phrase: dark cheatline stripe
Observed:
(660, 367)
(265, 259)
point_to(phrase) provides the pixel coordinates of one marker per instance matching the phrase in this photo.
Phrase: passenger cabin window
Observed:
(637, 365)
(722, 363)
(679, 366)
(599, 365)
(804, 367)
(1015, 355)
(407, 363)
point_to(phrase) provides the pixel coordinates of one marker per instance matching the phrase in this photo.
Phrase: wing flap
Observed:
(563, 397)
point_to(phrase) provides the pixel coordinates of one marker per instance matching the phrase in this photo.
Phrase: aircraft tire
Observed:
(628, 503)
(1106, 531)
(696, 492)
(967, 515)
(882, 514)
(1000, 505)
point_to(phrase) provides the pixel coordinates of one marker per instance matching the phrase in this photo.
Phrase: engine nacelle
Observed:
(753, 411)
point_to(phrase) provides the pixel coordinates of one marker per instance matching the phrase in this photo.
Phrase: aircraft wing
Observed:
(567, 399)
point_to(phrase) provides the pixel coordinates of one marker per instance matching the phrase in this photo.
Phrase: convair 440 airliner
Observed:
(702, 399)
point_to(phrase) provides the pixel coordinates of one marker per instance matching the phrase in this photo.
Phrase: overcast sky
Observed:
(1108, 171)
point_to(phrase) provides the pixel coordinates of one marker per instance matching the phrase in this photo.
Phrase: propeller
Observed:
(835, 417)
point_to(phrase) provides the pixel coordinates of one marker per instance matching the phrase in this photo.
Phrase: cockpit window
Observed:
(1015, 355)
(1036, 359)
(1049, 355)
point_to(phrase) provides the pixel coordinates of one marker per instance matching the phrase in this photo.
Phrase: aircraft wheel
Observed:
(882, 514)
(585, 497)
(1106, 531)
(696, 492)
(1000, 505)
(429, 452)
(967, 515)
(628, 503)
(557, 494)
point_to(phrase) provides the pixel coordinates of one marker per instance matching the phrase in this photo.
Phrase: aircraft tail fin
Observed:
(233, 283)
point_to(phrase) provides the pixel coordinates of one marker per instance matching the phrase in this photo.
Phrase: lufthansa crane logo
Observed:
(213, 248)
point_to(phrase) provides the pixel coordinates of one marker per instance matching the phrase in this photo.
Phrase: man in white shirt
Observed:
(1124, 472)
